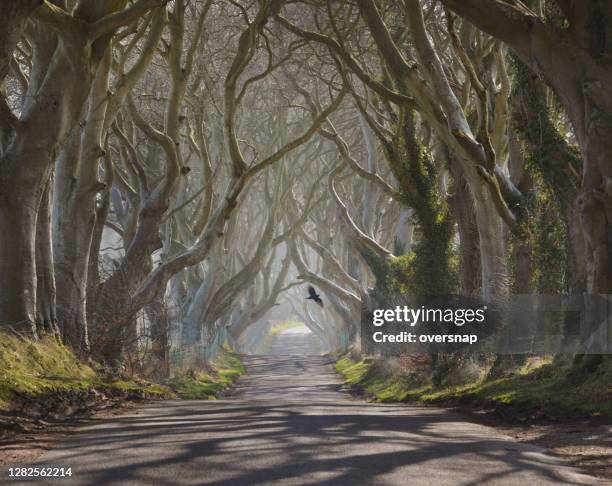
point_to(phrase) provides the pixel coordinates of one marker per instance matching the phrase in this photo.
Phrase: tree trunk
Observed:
(46, 319)
(469, 242)
(59, 85)
(21, 189)
(404, 232)
(572, 61)
(75, 213)
(192, 323)
(433, 274)
(577, 266)
(160, 333)
(523, 267)
(494, 273)
(72, 239)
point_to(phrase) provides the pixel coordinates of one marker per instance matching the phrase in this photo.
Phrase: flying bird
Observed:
(312, 295)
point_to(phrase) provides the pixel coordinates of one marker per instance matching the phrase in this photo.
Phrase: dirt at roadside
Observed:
(585, 445)
(24, 439)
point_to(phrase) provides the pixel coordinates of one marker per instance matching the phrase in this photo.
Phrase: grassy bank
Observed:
(46, 378)
(207, 384)
(35, 370)
(536, 391)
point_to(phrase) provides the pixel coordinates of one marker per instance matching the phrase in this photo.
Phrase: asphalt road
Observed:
(289, 423)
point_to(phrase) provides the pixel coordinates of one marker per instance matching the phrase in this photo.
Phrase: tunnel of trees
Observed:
(174, 174)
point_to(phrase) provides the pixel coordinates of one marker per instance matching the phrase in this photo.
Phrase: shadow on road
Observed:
(287, 423)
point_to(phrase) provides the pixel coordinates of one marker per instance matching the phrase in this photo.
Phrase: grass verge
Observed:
(32, 370)
(207, 384)
(537, 392)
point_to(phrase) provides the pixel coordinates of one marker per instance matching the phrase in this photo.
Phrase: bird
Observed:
(312, 295)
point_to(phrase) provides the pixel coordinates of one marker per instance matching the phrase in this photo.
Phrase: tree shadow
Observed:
(288, 424)
(235, 443)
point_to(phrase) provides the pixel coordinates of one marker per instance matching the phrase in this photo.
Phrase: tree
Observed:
(568, 47)
(67, 48)
(424, 87)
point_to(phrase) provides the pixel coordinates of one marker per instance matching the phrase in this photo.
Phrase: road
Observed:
(289, 423)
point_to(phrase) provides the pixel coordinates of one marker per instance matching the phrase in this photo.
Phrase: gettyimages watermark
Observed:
(518, 324)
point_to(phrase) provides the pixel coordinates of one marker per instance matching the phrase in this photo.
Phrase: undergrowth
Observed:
(46, 367)
(207, 384)
(534, 391)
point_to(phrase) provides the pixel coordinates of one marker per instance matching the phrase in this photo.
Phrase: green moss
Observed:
(206, 384)
(37, 368)
(550, 159)
(47, 367)
(141, 386)
(377, 382)
(535, 389)
(429, 270)
(542, 389)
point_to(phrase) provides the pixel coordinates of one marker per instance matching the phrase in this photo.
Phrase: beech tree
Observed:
(66, 49)
(566, 45)
(424, 86)
(173, 174)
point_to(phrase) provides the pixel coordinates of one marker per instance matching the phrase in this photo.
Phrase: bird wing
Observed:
(311, 291)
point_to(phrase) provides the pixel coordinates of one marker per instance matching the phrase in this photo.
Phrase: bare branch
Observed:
(112, 22)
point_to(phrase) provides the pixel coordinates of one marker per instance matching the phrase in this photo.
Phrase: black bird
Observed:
(312, 295)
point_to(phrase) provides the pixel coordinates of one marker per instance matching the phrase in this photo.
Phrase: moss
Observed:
(541, 389)
(141, 386)
(47, 367)
(206, 384)
(550, 159)
(426, 271)
(38, 368)
(377, 382)
(429, 270)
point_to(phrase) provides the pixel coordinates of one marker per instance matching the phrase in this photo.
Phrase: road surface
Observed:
(288, 423)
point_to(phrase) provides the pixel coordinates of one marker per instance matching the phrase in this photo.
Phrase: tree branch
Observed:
(112, 22)
(14, 16)
(361, 238)
(57, 18)
(348, 59)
